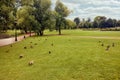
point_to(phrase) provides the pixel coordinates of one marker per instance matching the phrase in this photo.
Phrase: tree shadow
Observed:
(55, 35)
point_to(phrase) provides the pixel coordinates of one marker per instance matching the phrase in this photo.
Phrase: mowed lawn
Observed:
(65, 57)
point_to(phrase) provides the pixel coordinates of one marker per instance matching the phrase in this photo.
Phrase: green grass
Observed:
(71, 58)
(88, 33)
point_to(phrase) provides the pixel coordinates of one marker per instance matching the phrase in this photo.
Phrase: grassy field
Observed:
(71, 57)
(88, 33)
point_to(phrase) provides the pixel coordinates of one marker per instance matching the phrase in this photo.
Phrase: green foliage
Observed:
(118, 23)
(62, 12)
(70, 24)
(110, 22)
(86, 24)
(77, 21)
(42, 11)
(11, 20)
(61, 9)
(27, 2)
(25, 18)
(6, 7)
(100, 21)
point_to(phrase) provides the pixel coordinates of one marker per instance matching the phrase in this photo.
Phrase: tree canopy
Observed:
(62, 12)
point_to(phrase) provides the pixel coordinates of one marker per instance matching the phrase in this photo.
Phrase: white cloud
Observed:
(92, 8)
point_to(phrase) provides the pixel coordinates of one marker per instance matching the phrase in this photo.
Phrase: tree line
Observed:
(33, 15)
(98, 22)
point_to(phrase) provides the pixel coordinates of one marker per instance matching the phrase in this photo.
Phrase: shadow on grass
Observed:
(50, 35)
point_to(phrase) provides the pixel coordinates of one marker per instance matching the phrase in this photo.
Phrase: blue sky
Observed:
(91, 8)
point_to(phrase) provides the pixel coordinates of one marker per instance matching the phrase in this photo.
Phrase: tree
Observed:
(77, 21)
(109, 23)
(100, 20)
(70, 24)
(83, 23)
(95, 24)
(51, 21)
(63, 12)
(118, 23)
(26, 2)
(6, 7)
(114, 22)
(42, 9)
(25, 18)
(88, 23)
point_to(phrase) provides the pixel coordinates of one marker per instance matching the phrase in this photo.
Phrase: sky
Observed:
(92, 8)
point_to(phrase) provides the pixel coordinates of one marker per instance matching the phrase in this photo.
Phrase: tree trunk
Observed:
(59, 30)
(37, 33)
(30, 32)
(41, 33)
(25, 31)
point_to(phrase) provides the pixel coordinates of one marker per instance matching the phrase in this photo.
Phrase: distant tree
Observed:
(88, 20)
(82, 24)
(109, 23)
(70, 24)
(62, 12)
(88, 23)
(100, 20)
(95, 24)
(114, 22)
(118, 23)
(77, 21)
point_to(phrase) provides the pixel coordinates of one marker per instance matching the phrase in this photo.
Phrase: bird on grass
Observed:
(113, 44)
(102, 44)
(52, 44)
(21, 56)
(49, 52)
(31, 46)
(30, 62)
(7, 51)
(108, 47)
(25, 47)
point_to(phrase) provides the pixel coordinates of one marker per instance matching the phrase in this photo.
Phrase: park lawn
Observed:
(97, 33)
(71, 58)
